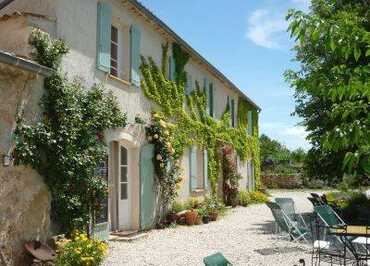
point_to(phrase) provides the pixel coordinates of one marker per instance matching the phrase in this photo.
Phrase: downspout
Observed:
(4, 3)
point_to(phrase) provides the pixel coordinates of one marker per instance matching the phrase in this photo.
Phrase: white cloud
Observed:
(292, 136)
(266, 28)
(303, 4)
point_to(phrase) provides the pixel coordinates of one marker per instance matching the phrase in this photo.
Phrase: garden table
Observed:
(361, 234)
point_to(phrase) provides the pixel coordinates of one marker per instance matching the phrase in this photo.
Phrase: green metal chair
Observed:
(216, 259)
(288, 206)
(328, 216)
(286, 225)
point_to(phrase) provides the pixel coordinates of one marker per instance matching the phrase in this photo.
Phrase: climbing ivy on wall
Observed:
(243, 108)
(67, 145)
(181, 59)
(191, 124)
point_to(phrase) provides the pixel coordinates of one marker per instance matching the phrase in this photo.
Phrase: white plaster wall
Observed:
(76, 24)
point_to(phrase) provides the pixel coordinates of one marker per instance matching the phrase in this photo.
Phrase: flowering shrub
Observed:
(246, 198)
(166, 163)
(231, 177)
(81, 251)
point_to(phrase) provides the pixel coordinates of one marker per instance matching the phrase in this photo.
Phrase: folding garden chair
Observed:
(331, 219)
(315, 201)
(216, 259)
(328, 215)
(286, 225)
(288, 206)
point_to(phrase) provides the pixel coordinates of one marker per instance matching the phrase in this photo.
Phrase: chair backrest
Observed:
(328, 215)
(287, 204)
(279, 217)
(314, 201)
(216, 259)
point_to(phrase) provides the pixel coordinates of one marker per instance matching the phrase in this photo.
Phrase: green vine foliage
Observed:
(181, 59)
(67, 145)
(191, 124)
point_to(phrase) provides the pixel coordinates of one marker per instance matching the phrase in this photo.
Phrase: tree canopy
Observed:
(332, 86)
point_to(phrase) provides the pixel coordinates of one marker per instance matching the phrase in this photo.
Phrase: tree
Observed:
(277, 159)
(332, 87)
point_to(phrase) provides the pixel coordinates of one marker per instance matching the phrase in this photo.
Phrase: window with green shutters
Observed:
(193, 168)
(103, 56)
(135, 55)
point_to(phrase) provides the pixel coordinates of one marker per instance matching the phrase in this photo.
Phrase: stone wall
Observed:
(24, 212)
(24, 197)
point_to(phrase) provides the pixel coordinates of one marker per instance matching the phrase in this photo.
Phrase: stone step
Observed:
(125, 237)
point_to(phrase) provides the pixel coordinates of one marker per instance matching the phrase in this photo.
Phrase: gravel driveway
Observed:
(237, 236)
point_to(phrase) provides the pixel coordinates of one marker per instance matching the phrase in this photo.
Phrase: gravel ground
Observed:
(237, 236)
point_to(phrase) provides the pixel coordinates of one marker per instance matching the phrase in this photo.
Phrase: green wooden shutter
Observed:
(210, 96)
(232, 103)
(135, 55)
(173, 68)
(250, 123)
(205, 168)
(147, 185)
(189, 84)
(103, 37)
(193, 168)
(206, 93)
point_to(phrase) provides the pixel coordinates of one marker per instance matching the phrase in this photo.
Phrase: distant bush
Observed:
(246, 198)
(314, 183)
(283, 181)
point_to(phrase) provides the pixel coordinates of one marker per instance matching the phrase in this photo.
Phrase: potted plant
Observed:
(213, 207)
(203, 214)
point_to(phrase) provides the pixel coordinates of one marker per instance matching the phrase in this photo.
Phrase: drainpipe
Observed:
(4, 3)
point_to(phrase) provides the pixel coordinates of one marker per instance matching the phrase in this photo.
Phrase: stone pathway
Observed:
(238, 235)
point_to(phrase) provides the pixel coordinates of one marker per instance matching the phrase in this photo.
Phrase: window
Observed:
(124, 174)
(114, 52)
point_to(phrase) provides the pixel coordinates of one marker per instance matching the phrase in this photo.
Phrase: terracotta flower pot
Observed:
(213, 216)
(198, 221)
(191, 217)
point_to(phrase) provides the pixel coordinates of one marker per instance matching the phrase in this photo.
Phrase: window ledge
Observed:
(198, 192)
(125, 82)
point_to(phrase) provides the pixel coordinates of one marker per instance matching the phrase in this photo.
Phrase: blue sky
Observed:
(247, 41)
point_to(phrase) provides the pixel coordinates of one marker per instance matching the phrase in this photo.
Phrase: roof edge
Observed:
(28, 65)
(182, 42)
